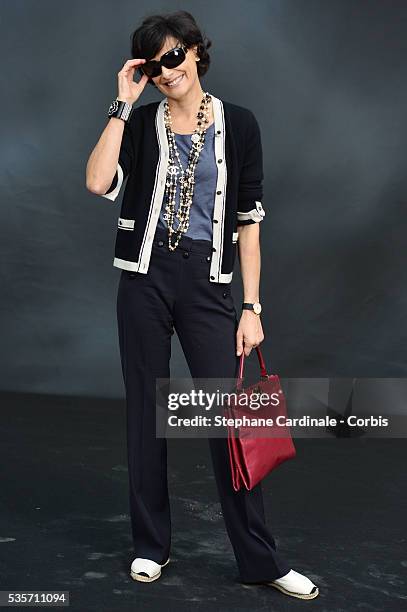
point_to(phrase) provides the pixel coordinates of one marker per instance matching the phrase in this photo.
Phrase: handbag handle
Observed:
(263, 371)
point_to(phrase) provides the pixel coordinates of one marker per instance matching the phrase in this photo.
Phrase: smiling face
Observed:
(184, 76)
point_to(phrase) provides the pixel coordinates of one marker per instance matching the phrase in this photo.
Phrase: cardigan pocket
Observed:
(125, 224)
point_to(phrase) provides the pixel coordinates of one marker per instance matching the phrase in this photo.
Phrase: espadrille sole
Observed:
(141, 578)
(314, 593)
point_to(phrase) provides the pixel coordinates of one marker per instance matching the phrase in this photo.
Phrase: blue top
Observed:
(203, 200)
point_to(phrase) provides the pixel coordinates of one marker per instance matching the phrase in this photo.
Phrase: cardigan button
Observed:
(215, 221)
(212, 278)
(220, 161)
(213, 250)
(219, 192)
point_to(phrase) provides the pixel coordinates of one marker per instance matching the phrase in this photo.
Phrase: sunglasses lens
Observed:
(151, 69)
(174, 58)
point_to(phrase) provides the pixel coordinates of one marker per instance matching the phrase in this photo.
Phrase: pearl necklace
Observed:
(187, 179)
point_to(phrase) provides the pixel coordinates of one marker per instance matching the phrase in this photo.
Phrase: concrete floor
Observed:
(337, 512)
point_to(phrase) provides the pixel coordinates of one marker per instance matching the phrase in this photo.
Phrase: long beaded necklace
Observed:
(187, 178)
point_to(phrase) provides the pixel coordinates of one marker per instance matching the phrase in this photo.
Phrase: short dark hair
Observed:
(149, 38)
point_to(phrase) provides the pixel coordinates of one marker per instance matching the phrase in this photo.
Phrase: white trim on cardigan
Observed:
(113, 194)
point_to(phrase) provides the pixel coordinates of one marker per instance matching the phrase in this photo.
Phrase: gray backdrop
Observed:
(327, 83)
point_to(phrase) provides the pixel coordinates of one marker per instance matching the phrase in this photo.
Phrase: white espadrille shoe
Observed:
(146, 570)
(296, 585)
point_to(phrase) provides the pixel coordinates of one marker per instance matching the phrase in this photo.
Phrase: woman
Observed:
(194, 168)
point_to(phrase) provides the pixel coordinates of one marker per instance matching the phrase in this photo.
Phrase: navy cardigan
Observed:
(143, 161)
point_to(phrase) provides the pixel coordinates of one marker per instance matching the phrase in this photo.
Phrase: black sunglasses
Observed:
(171, 59)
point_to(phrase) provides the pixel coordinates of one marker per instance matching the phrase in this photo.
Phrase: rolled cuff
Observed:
(254, 215)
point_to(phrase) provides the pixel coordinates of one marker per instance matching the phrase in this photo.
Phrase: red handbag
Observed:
(253, 457)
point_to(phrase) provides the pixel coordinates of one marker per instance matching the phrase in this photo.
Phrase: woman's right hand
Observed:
(129, 90)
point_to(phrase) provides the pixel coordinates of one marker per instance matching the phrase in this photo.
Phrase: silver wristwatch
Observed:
(120, 109)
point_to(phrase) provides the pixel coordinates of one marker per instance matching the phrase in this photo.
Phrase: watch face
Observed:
(257, 307)
(113, 107)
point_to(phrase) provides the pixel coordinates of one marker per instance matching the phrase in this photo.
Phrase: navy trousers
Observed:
(176, 294)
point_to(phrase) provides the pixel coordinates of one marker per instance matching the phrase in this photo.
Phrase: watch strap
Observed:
(250, 306)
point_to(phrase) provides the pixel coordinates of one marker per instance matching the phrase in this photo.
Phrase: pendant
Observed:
(195, 138)
(173, 170)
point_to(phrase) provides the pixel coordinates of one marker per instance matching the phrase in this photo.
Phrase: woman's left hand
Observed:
(249, 333)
